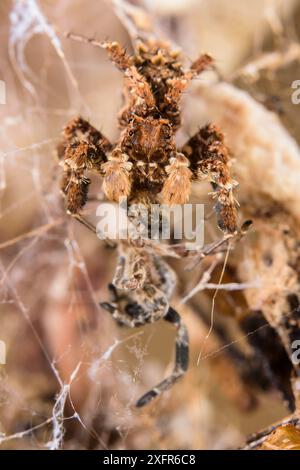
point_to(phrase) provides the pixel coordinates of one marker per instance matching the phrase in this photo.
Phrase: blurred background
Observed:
(71, 375)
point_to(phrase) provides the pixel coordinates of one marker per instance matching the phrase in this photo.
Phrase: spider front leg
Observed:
(139, 95)
(209, 159)
(181, 359)
(177, 86)
(83, 148)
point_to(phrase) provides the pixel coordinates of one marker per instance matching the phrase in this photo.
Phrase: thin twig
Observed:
(32, 233)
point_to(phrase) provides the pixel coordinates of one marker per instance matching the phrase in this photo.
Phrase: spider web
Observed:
(61, 346)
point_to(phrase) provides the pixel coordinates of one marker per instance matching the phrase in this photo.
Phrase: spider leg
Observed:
(209, 159)
(177, 86)
(116, 52)
(83, 148)
(181, 360)
(74, 186)
(120, 317)
(112, 307)
(137, 307)
(139, 94)
(80, 130)
(130, 273)
(132, 317)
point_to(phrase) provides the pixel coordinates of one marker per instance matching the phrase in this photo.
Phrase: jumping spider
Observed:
(146, 166)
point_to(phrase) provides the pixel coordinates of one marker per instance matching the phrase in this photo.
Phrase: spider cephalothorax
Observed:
(149, 144)
(145, 165)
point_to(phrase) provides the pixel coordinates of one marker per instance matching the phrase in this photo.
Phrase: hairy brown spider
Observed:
(146, 166)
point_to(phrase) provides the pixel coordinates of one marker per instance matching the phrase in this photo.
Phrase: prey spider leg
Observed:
(128, 310)
(181, 359)
(133, 316)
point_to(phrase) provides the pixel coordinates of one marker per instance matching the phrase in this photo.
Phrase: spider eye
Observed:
(131, 132)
